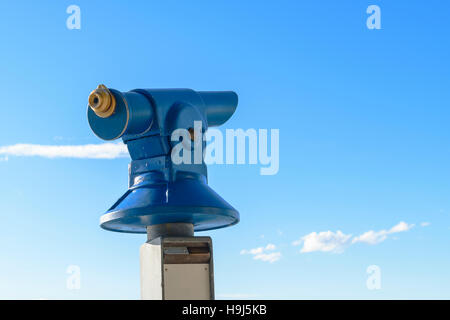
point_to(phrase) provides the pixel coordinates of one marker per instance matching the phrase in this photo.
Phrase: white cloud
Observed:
(371, 237)
(336, 242)
(261, 253)
(400, 227)
(326, 241)
(374, 237)
(259, 250)
(269, 257)
(425, 224)
(88, 151)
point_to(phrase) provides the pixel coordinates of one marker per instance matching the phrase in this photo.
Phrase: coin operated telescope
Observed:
(166, 199)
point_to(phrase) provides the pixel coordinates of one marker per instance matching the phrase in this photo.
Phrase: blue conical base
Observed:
(187, 200)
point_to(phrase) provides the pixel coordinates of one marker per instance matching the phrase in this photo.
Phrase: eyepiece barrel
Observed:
(113, 114)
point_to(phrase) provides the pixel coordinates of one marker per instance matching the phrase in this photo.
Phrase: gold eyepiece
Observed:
(102, 101)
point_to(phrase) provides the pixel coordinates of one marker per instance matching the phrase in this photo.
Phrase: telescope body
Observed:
(161, 191)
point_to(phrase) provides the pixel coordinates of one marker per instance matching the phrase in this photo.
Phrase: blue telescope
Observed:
(162, 191)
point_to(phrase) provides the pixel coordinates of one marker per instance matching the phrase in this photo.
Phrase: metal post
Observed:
(170, 230)
(175, 265)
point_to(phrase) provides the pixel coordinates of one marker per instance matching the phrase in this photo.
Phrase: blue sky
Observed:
(364, 142)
